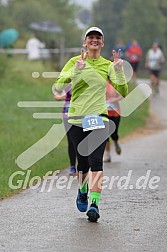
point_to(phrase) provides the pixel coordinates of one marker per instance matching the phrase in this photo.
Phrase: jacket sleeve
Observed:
(118, 79)
(67, 74)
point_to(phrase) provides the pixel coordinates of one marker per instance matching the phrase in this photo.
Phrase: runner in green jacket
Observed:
(89, 73)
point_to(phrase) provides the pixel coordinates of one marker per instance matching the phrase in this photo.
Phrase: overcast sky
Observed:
(85, 3)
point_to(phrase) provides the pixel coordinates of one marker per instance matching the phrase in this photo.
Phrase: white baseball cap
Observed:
(92, 29)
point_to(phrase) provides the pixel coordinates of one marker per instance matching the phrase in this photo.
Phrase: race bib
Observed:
(91, 122)
(134, 57)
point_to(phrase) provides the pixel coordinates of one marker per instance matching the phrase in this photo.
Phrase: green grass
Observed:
(136, 119)
(19, 130)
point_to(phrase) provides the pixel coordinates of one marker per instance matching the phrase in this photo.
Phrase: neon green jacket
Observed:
(89, 86)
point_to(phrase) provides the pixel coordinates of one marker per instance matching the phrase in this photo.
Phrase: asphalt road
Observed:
(133, 208)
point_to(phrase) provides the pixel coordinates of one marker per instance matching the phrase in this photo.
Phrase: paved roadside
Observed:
(132, 218)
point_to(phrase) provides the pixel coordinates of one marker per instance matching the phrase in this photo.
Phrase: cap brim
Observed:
(93, 32)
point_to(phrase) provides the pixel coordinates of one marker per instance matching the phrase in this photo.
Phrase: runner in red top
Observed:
(134, 53)
(112, 100)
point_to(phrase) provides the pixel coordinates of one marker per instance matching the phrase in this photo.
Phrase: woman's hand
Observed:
(80, 64)
(118, 62)
(59, 96)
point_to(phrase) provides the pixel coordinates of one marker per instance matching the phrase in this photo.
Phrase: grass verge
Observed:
(19, 130)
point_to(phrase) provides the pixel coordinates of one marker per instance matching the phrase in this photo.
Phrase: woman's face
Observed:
(94, 41)
(155, 46)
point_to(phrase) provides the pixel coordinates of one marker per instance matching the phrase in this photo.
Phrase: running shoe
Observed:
(117, 148)
(72, 171)
(93, 213)
(106, 157)
(82, 201)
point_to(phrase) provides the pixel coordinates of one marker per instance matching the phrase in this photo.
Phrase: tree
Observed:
(60, 12)
(108, 16)
(127, 19)
(143, 21)
(162, 4)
